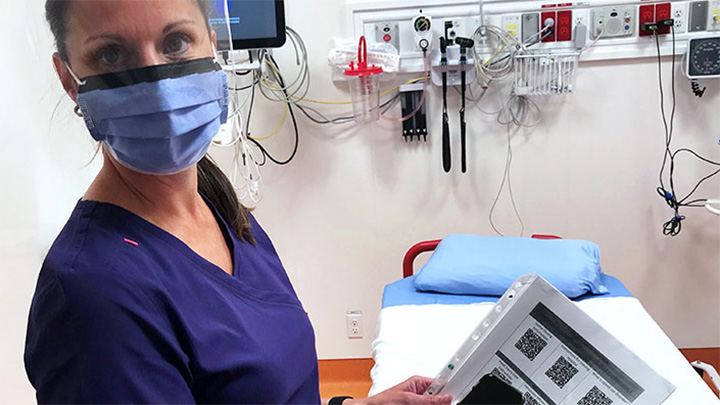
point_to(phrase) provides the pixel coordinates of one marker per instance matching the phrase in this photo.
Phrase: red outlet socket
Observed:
(564, 25)
(662, 12)
(543, 17)
(647, 15)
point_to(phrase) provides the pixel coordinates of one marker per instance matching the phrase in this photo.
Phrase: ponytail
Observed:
(213, 183)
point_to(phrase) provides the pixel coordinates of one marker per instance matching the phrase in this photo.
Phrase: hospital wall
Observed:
(356, 197)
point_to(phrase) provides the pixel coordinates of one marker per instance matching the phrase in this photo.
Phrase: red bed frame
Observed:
(430, 245)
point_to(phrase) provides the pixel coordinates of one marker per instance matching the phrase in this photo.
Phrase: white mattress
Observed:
(420, 339)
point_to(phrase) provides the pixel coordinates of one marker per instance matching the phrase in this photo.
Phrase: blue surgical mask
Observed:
(157, 119)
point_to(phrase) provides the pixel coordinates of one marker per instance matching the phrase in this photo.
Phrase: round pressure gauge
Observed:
(704, 58)
(422, 24)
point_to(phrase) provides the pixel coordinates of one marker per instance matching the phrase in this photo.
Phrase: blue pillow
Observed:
(482, 265)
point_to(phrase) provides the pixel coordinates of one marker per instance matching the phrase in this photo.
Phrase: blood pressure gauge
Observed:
(703, 58)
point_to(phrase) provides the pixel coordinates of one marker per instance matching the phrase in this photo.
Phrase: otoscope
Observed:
(446, 119)
(464, 43)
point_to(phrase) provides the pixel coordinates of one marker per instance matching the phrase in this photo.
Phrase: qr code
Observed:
(595, 397)
(561, 372)
(530, 344)
(499, 374)
(529, 399)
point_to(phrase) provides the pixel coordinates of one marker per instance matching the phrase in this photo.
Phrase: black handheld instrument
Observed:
(446, 119)
(464, 43)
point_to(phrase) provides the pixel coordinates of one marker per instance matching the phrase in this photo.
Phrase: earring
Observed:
(77, 111)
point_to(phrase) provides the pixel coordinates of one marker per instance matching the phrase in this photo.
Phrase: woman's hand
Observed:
(405, 393)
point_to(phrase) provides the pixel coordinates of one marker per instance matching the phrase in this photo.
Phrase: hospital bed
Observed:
(419, 331)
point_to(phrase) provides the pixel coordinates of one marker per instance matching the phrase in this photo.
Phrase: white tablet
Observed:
(542, 344)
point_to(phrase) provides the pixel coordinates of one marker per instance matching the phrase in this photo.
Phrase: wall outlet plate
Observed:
(354, 324)
(511, 24)
(461, 27)
(680, 15)
(698, 16)
(530, 26)
(388, 32)
(613, 22)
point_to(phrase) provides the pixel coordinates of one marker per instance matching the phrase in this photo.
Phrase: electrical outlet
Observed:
(580, 17)
(663, 12)
(564, 25)
(511, 24)
(461, 27)
(679, 13)
(354, 324)
(647, 15)
(545, 18)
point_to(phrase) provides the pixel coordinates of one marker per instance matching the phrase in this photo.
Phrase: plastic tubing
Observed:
(422, 98)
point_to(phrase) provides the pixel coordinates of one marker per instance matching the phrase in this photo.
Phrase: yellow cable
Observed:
(282, 121)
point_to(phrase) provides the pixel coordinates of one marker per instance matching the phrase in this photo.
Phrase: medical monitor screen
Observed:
(255, 24)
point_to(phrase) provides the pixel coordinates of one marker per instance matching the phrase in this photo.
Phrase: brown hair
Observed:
(212, 182)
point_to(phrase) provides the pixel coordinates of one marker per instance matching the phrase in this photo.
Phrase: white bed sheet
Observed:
(420, 339)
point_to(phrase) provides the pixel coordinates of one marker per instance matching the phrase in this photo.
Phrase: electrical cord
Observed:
(597, 38)
(506, 43)
(506, 179)
(517, 110)
(292, 117)
(673, 227)
(299, 86)
(250, 170)
(323, 120)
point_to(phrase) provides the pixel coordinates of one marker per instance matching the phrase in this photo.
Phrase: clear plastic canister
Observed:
(364, 86)
(365, 96)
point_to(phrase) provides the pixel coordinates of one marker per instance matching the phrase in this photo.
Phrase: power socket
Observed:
(581, 17)
(511, 24)
(679, 14)
(354, 324)
(461, 27)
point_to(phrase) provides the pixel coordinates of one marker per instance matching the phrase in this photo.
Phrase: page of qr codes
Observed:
(542, 344)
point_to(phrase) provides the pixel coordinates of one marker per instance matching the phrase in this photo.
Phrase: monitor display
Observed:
(255, 24)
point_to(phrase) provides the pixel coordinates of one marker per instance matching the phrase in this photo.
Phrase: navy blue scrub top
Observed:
(124, 312)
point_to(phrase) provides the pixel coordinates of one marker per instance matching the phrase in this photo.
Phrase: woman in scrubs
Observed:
(161, 287)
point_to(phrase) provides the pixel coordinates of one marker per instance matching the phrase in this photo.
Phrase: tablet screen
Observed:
(254, 24)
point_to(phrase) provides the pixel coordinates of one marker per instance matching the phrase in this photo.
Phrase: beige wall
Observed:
(343, 214)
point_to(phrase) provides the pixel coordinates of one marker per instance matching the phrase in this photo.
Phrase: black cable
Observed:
(674, 225)
(695, 86)
(704, 159)
(247, 125)
(256, 80)
(292, 116)
(662, 111)
(698, 185)
(250, 109)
